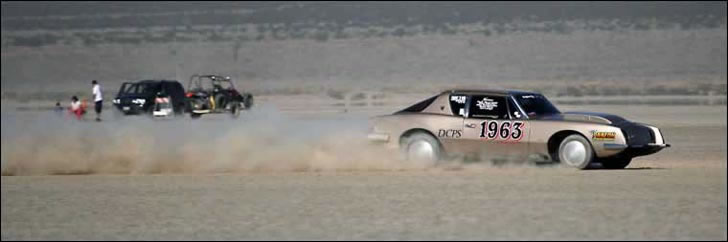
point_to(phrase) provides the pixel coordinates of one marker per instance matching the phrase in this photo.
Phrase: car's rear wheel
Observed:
(421, 148)
(234, 109)
(575, 151)
(615, 163)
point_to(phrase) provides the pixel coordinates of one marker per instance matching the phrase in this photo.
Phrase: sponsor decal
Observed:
(458, 99)
(503, 131)
(487, 104)
(597, 135)
(449, 133)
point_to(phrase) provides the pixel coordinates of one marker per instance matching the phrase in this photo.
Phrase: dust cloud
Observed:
(260, 140)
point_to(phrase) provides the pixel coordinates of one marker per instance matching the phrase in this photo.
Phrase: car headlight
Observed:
(138, 101)
(116, 101)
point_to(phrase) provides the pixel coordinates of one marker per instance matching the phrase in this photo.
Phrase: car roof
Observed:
(488, 91)
(215, 77)
(153, 81)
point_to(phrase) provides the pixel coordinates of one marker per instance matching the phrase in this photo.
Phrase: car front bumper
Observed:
(130, 109)
(610, 146)
(634, 150)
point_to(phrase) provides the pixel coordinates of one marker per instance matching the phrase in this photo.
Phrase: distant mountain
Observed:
(91, 15)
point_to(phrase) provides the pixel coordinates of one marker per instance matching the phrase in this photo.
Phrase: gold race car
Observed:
(513, 124)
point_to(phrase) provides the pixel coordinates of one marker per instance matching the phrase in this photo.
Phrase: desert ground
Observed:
(294, 169)
(298, 166)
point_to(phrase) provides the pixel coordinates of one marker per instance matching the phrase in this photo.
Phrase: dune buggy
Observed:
(215, 94)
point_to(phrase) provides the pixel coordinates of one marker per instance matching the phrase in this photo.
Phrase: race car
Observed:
(215, 94)
(513, 124)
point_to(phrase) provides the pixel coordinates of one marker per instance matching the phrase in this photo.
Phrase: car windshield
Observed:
(535, 104)
(136, 88)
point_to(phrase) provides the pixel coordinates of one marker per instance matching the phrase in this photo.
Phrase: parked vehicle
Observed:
(208, 94)
(154, 97)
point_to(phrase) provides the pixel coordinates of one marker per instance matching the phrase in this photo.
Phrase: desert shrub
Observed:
(321, 36)
(378, 96)
(10, 95)
(336, 94)
(573, 91)
(657, 90)
(358, 96)
(35, 41)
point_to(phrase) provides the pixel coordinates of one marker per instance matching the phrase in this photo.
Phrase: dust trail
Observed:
(260, 140)
(263, 139)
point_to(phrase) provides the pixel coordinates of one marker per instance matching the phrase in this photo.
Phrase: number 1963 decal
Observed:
(504, 130)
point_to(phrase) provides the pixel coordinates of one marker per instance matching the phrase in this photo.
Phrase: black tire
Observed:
(614, 163)
(234, 109)
(195, 115)
(576, 151)
(421, 148)
(248, 102)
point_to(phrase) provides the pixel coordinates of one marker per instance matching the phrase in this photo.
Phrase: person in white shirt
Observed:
(98, 100)
(76, 108)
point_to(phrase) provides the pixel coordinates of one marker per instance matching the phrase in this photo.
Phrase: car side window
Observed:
(457, 104)
(514, 111)
(488, 106)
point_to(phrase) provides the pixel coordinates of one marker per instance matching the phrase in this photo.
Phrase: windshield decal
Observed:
(458, 99)
(487, 104)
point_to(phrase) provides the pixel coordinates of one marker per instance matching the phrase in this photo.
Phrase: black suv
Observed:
(139, 97)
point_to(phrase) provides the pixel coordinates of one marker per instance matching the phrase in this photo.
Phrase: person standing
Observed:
(98, 99)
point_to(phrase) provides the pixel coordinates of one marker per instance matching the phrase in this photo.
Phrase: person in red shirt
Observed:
(77, 108)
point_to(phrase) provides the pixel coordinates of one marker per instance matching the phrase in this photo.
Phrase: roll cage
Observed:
(197, 82)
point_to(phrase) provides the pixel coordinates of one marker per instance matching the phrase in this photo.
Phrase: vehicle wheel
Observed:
(615, 163)
(421, 148)
(248, 101)
(195, 115)
(575, 151)
(235, 109)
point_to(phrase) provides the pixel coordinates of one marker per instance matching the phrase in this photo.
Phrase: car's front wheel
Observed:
(248, 102)
(575, 151)
(421, 148)
(235, 109)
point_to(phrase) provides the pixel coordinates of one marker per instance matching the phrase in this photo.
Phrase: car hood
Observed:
(592, 117)
(132, 96)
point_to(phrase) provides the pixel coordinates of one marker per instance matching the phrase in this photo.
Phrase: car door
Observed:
(492, 130)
